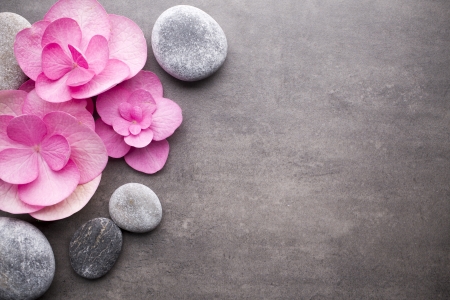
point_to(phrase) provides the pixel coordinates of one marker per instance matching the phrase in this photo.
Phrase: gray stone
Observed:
(27, 263)
(135, 207)
(11, 76)
(188, 43)
(95, 248)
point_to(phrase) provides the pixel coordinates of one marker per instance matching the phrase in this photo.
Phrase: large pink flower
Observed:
(79, 51)
(136, 120)
(51, 159)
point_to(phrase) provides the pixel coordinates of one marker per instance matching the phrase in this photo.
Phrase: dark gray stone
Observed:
(27, 263)
(188, 43)
(95, 248)
(11, 76)
(135, 207)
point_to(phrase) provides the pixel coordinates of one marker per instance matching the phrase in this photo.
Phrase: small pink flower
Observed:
(79, 51)
(136, 120)
(50, 157)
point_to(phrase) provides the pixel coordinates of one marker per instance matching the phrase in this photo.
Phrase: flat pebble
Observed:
(95, 248)
(27, 263)
(135, 207)
(11, 76)
(188, 43)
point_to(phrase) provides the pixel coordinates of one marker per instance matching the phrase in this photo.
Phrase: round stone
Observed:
(27, 263)
(11, 76)
(135, 207)
(188, 43)
(95, 248)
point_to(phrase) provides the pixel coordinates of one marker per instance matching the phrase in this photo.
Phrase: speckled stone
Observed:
(135, 207)
(27, 263)
(11, 76)
(95, 248)
(188, 43)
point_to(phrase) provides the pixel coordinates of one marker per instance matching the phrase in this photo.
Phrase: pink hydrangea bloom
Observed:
(79, 50)
(51, 159)
(136, 120)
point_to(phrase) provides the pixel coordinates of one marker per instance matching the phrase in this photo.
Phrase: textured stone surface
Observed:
(188, 43)
(27, 264)
(95, 248)
(135, 207)
(11, 76)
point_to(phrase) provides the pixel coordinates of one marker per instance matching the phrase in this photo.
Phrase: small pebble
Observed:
(135, 207)
(95, 248)
(11, 76)
(27, 263)
(188, 43)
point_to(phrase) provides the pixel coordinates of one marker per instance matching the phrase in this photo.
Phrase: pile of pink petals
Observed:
(52, 152)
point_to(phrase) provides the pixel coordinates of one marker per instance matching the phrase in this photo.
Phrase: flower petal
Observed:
(97, 53)
(144, 99)
(28, 49)
(27, 86)
(108, 104)
(53, 90)
(72, 204)
(19, 166)
(27, 130)
(79, 76)
(11, 102)
(114, 73)
(127, 43)
(89, 14)
(125, 110)
(55, 62)
(150, 159)
(64, 31)
(135, 129)
(78, 58)
(166, 118)
(10, 202)
(146, 81)
(50, 187)
(121, 126)
(141, 140)
(87, 149)
(5, 141)
(115, 145)
(56, 152)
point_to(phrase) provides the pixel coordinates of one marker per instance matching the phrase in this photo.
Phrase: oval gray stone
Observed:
(95, 248)
(27, 263)
(11, 75)
(135, 207)
(188, 43)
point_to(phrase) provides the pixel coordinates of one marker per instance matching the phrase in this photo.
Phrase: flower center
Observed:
(37, 148)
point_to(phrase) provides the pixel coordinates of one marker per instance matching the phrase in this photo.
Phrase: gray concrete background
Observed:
(315, 164)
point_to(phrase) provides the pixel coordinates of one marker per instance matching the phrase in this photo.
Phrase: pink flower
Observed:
(50, 158)
(136, 120)
(79, 51)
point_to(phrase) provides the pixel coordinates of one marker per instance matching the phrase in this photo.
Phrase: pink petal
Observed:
(27, 86)
(87, 149)
(108, 104)
(150, 159)
(10, 202)
(89, 14)
(56, 152)
(53, 90)
(55, 62)
(125, 110)
(136, 113)
(27, 130)
(97, 53)
(35, 105)
(72, 204)
(28, 49)
(127, 43)
(145, 80)
(5, 141)
(79, 76)
(144, 99)
(78, 58)
(64, 31)
(11, 102)
(115, 145)
(121, 126)
(114, 73)
(135, 129)
(141, 140)
(89, 104)
(50, 187)
(18, 166)
(166, 118)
